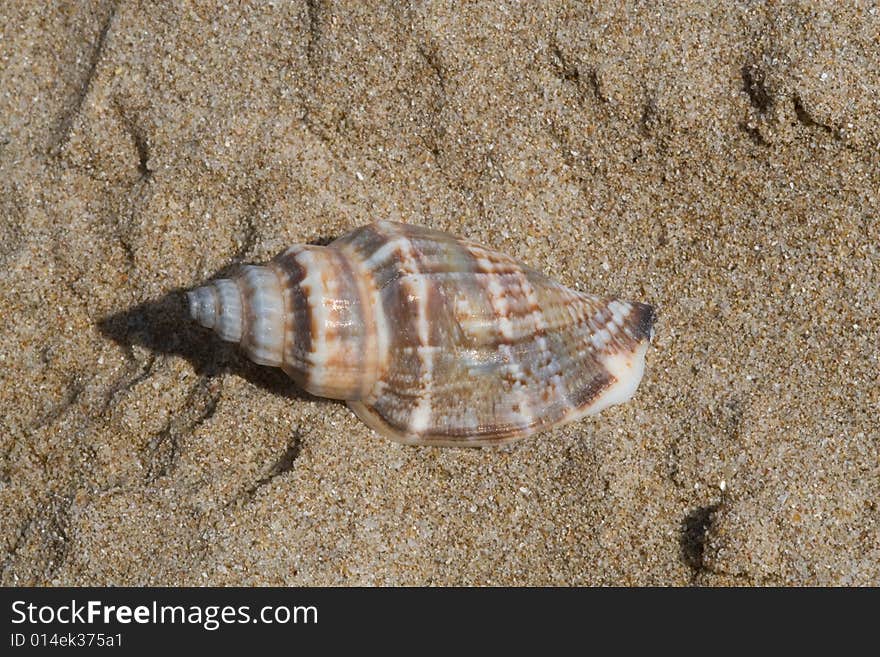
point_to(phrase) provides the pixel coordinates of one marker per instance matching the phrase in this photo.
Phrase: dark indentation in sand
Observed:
(806, 119)
(74, 389)
(12, 220)
(756, 88)
(121, 231)
(313, 15)
(162, 455)
(16, 544)
(164, 449)
(56, 536)
(316, 130)
(436, 129)
(650, 119)
(164, 327)
(141, 143)
(568, 72)
(283, 465)
(48, 527)
(136, 373)
(754, 134)
(66, 122)
(209, 411)
(578, 163)
(564, 69)
(142, 147)
(596, 85)
(434, 64)
(692, 540)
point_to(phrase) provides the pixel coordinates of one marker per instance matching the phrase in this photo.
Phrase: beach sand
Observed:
(721, 163)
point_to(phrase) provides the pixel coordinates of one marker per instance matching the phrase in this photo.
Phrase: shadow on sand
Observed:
(164, 327)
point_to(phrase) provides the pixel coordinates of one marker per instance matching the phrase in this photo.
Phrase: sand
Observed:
(719, 162)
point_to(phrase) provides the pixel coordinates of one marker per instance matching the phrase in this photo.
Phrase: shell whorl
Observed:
(302, 312)
(432, 339)
(247, 309)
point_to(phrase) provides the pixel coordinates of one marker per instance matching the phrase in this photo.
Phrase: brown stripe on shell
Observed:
(336, 362)
(589, 393)
(599, 337)
(410, 368)
(298, 320)
(585, 375)
(363, 341)
(372, 246)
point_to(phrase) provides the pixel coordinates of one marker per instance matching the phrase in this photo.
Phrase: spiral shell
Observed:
(431, 339)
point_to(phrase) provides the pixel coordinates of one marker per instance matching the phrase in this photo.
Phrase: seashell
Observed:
(431, 339)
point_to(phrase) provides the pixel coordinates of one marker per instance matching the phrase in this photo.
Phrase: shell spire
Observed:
(432, 339)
